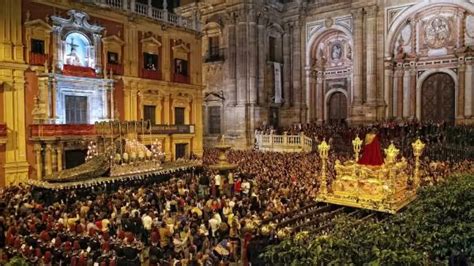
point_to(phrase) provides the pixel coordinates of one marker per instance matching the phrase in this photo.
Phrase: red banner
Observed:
(116, 69)
(38, 59)
(151, 74)
(3, 130)
(181, 78)
(79, 71)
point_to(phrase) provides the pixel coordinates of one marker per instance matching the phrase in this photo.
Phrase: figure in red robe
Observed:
(372, 154)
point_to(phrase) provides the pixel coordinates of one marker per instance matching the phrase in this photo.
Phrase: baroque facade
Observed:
(278, 63)
(65, 65)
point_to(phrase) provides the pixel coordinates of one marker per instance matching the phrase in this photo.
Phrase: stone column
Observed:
(48, 160)
(59, 150)
(54, 157)
(296, 64)
(231, 63)
(399, 76)
(371, 46)
(242, 57)
(413, 92)
(286, 65)
(406, 92)
(388, 89)
(253, 46)
(261, 59)
(469, 90)
(309, 86)
(150, 12)
(320, 97)
(39, 162)
(358, 52)
(461, 90)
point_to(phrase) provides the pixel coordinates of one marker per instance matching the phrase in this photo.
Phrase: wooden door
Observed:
(437, 98)
(337, 108)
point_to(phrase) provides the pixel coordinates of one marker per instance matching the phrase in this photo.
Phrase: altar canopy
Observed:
(372, 153)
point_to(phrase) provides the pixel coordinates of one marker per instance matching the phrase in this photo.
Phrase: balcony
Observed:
(150, 74)
(38, 59)
(116, 69)
(79, 71)
(48, 131)
(172, 129)
(150, 12)
(180, 78)
(214, 55)
(3, 133)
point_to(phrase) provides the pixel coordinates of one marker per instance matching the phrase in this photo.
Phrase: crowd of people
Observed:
(191, 218)
(444, 142)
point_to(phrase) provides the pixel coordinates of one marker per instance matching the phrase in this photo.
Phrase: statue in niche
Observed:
(437, 33)
(336, 52)
(400, 53)
(73, 58)
(349, 52)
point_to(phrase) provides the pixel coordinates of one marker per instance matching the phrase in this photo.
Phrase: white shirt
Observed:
(147, 222)
(218, 180)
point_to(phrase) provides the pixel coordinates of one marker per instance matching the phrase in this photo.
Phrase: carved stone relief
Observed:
(437, 32)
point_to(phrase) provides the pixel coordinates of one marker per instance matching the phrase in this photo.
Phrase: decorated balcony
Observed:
(38, 59)
(180, 78)
(151, 74)
(3, 133)
(47, 131)
(79, 71)
(117, 69)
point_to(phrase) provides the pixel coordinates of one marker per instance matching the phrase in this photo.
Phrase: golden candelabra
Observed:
(357, 145)
(391, 153)
(323, 149)
(418, 147)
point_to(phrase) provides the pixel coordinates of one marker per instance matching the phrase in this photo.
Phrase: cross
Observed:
(73, 46)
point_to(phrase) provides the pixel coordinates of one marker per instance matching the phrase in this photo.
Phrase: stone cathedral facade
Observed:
(270, 62)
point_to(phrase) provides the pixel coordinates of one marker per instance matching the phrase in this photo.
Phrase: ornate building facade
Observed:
(65, 65)
(282, 62)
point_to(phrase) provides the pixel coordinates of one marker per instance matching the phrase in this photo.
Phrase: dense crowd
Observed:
(444, 141)
(192, 218)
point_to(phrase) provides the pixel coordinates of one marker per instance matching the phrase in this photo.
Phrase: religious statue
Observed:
(372, 154)
(73, 58)
(336, 52)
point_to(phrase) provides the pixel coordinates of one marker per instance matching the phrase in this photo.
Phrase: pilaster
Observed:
(371, 56)
(461, 90)
(357, 16)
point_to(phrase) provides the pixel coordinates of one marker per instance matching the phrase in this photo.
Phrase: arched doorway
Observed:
(437, 98)
(337, 108)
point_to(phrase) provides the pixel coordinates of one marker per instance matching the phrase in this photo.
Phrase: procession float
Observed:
(370, 182)
(117, 154)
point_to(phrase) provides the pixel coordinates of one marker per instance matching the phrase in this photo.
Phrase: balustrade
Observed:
(151, 12)
(284, 143)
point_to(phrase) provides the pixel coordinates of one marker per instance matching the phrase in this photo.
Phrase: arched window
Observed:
(77, 50)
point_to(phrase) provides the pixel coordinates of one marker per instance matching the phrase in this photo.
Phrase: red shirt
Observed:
(237, 187)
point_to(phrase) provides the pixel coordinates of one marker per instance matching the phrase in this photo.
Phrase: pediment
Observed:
(113, 39)
(39, 24)
(213, 97)
(151, 41)
(181, 48)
